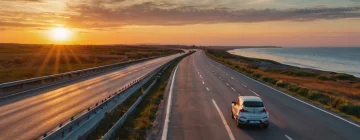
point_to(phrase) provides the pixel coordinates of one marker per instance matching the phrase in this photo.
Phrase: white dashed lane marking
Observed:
(288, 137)
(207, 89)
(227, 84)
(233, 89)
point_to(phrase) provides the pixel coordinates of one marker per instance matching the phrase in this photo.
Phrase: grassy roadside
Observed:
(111, 118)
(23, 61)
(141, 120)
(334, 91)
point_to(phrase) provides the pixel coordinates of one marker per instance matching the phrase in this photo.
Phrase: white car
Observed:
(249, 110)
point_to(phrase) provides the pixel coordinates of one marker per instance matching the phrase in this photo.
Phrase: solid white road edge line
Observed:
(296, 98)
(288, 137)
(166, 123)
(254, 92)
(224, 121)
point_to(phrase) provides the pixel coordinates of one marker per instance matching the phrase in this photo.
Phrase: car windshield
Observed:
(253, 104)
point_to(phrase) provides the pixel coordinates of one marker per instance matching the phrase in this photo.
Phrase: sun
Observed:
(61, 34)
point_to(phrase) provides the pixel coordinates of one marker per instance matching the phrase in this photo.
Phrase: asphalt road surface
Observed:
(201, 95)
(30, 117)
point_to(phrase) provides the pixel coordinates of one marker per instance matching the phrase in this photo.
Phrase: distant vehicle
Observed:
(249, 110)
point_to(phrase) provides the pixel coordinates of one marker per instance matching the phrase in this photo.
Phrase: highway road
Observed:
(30, 117)
(201, 92)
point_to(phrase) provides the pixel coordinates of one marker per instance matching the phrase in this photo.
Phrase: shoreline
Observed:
(228, 48)
(295, 65)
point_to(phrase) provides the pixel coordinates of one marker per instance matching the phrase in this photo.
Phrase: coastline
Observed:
(228, 48)
(297, 65)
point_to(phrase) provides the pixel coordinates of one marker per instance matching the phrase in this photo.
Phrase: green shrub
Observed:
(319, 97)
(304, 74)
(293, 87)
(229, 63)
(332, 92)
(337, 103)
(303, 92)
(249, 72)
(256, 75)
(281, 84)
(324, 78)
(269, 80)
(246, 70)
(287, 72)
(343, 76)
(351, 109)
(299, 73)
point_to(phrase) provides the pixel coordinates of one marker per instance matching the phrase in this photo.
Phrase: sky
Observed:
(186, 22)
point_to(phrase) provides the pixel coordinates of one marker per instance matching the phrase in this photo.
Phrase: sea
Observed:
(335, 59)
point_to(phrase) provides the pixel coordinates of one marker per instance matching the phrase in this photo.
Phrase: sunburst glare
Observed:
(61, 34)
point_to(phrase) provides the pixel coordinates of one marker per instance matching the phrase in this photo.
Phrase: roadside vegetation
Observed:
(336, 91)
(141, 120)
(21, 61)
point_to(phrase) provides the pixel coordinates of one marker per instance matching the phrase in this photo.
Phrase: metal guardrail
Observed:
(77, 120)
(82, 117)
(121, 121)
(18, 86)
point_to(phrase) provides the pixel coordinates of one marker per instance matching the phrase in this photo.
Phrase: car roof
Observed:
(250, 98)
